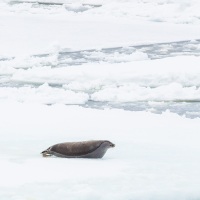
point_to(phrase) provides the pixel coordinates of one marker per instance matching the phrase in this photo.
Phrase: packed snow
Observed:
(120, 70)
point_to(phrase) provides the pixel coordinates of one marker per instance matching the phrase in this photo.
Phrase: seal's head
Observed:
(108, 144)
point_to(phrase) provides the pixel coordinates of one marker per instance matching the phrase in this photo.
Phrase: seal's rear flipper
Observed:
(46, 153)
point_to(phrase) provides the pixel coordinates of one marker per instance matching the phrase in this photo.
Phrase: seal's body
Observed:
(86, 149)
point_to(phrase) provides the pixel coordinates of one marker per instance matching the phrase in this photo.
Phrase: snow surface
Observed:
(66, 65)
(156, 156)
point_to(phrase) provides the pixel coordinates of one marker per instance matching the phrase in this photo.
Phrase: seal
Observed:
(85, 149)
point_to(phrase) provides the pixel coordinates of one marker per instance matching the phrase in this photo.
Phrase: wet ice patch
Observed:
(34, 7)
(77, 7)
(116, 57)
(42, 7)
(26, 62)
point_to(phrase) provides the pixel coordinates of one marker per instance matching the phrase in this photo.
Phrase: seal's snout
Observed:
(112, 145)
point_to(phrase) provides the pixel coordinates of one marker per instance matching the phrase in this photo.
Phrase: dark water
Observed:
(188, 109)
